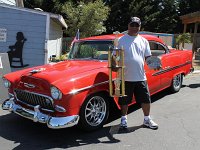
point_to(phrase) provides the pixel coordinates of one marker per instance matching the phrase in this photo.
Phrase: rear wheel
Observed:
(177, 83)
(94, 112)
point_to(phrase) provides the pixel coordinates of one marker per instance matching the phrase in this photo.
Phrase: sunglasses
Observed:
(133, 24)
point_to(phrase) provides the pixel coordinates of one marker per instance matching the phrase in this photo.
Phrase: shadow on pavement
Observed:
(194, 85)
(29, 135)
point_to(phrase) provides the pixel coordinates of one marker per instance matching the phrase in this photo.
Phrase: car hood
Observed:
(54, 72)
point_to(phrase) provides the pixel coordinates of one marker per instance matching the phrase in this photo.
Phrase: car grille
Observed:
(34, 99)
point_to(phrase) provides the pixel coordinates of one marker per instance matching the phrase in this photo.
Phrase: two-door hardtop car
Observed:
(76, 91)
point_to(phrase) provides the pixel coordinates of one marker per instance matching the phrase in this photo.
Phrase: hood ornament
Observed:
(37, 70)
(29, 85)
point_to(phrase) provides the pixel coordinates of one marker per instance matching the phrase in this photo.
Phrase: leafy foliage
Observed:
(87, 51)
(87, 17)
(168, 16)
(188, 6)
(183, 38)
(156, 15)
(148, 11)
(53, 6)
(95, 17)
(119, 16)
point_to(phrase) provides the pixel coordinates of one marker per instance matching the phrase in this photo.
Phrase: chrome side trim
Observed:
(171, 68)
(37, 116)
(75, 91)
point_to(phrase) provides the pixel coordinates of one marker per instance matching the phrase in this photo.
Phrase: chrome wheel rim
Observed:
(177, 81)
(95, 111)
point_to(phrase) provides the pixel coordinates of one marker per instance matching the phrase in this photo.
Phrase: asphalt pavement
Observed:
(177, 115)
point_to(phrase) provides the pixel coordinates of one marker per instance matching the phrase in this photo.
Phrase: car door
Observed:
(165, 73)
(153, 81)
(153, 76)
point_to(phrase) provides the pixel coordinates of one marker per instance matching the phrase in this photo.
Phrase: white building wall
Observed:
(55, 39)
(42, 30)
(33, 27)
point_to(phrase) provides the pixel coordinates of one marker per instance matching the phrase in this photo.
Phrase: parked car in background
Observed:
(76, 91)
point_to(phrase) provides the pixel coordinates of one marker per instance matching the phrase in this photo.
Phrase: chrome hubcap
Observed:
(95, 111)
(177, 81)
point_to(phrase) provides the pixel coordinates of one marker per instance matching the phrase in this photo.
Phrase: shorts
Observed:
(139, 89)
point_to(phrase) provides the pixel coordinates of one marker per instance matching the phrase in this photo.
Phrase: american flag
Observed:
(77, 37)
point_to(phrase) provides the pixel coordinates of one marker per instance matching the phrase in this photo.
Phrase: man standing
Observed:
(136, 49)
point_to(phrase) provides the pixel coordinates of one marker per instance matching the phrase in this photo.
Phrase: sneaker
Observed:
(150, 124)
(123, 123)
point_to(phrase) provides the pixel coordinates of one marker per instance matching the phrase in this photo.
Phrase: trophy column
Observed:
(116, 64)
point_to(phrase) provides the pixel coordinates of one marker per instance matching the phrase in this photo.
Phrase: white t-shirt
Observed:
(136, 48)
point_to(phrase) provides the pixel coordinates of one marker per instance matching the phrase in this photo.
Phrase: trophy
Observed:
(116, 64)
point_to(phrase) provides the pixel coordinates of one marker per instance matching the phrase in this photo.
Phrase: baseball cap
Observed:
(135, 20)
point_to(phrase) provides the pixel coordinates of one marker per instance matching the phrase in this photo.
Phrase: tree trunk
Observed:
(19, 3)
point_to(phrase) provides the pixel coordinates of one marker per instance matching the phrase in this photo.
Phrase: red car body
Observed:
(81, 85)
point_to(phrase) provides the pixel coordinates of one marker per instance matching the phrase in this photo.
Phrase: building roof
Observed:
(56, 17)
(191, 17)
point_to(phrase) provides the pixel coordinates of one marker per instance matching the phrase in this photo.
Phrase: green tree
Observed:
(168, 18)
(119, 15)
(87, 17)
(182, 39)
(156, 15)
(148, 11)
(188, 6)
(53, 6)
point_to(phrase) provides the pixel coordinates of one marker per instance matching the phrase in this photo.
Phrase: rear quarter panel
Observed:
(183, 61)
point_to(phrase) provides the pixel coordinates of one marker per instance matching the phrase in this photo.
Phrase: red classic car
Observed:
(76, 91)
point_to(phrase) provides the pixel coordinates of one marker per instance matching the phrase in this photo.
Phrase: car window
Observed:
(157, 49)
(90, 50)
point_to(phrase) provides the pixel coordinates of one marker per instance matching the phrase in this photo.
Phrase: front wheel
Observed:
(177, 83)
(94, 112)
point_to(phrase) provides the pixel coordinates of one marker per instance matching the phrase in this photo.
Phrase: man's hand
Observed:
(153, 62)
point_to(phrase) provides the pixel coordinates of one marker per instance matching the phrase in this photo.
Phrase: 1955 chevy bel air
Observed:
(76, 91)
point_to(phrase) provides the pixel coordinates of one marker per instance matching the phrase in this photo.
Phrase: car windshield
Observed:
(90, 50)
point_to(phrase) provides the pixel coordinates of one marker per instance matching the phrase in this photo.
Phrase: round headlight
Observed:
(6, 83)
(56, 93)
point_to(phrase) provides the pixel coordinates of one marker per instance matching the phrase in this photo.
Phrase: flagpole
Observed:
(77, 37)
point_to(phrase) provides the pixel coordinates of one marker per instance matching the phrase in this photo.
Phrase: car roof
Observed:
(113, 36)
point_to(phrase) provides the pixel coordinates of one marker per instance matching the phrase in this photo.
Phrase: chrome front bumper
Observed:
(37, 116)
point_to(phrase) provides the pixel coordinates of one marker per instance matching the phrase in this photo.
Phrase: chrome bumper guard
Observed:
(37, 116)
